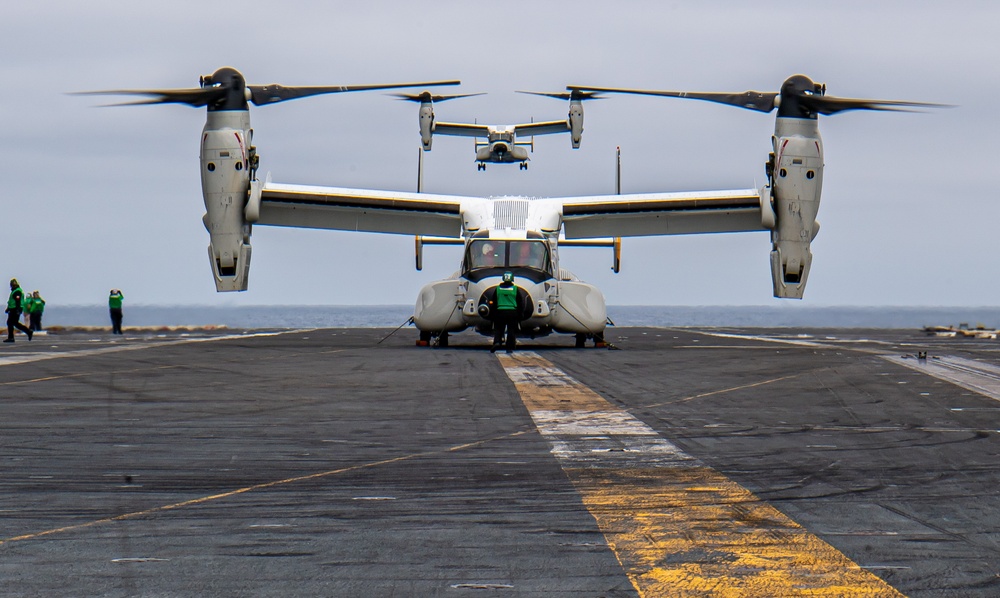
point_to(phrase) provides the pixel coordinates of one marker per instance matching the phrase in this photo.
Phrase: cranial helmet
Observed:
(508, 277)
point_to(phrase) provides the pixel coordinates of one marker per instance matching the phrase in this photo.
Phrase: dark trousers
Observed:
(116, 320)
(35, 321)
(14, 321)
(506, 320)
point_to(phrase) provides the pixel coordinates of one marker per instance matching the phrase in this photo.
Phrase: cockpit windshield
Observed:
(531, 254)
(528, 254)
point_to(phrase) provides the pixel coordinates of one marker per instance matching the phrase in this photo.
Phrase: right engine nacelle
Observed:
(575, 123)
(426, 117)
(797, 182)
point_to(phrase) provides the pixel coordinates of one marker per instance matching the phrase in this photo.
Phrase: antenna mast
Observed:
(618, 171)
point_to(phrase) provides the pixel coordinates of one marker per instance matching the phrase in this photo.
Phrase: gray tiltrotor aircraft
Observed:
(516, 234)
(501, 145)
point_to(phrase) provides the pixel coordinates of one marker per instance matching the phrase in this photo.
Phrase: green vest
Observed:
(507, 298)
(11, 301)
(115, 301)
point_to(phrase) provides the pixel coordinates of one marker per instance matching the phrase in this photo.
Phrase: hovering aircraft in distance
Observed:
(501, 145)
(515, 234)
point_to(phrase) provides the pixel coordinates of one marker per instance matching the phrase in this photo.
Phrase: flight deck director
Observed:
(508, 304)
(115, 309)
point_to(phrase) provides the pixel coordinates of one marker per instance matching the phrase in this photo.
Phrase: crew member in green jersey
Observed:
(115, 307)
(507, 309)
(36, 306)
(14, 305)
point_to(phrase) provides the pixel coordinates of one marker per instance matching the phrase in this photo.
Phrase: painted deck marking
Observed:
(136, 346)
(979, 377)
(678, 527)
(255, 488)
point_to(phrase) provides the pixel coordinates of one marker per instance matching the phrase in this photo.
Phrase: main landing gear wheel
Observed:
(524, 166)
(425, 339)
(443, 340)
(481, 166)
(581, 340)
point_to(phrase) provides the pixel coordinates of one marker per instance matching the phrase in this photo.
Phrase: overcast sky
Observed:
(96, 198)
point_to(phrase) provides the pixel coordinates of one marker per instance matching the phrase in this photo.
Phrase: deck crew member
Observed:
(14, 303)
(115, 307)
(509, 306)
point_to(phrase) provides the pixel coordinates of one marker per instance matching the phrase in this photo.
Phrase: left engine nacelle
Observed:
(225, 182)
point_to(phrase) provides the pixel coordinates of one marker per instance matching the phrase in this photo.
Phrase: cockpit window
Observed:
(528, 254)
(490, 253)
(487, 254)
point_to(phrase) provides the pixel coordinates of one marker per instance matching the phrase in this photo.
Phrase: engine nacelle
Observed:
(225, 183)
(576, 123)
(797, 182)
(426, 117)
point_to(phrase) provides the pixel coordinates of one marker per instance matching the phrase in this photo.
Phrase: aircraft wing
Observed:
(542, 128)
(363, 210)
(648, 214)
(461, 129)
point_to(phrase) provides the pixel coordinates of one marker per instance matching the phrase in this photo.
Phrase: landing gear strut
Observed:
(425, 339)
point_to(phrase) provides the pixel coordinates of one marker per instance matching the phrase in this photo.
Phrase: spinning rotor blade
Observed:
(192, 97)
(751, 100)
(799, 97)
(833, 105)
(261, 95)
(427, 97)
(226, 89)
(573, 94)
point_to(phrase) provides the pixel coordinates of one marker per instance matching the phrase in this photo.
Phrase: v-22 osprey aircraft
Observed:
(516, 234)
(500, 144)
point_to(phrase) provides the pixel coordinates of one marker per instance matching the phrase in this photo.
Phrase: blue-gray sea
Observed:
(788, 315)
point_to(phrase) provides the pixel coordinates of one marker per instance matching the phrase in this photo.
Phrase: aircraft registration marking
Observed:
(678, 527)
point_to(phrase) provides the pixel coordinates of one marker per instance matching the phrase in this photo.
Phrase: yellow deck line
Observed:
(678, 528)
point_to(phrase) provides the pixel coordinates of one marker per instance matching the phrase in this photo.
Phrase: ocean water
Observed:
(795, 315)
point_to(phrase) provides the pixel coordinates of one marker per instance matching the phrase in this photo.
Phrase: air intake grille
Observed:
(510, 214)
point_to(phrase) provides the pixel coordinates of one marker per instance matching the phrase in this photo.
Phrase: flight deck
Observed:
(349, 462)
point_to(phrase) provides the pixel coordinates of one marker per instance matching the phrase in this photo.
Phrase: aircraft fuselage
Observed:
(557, 300)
